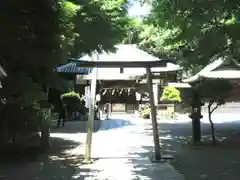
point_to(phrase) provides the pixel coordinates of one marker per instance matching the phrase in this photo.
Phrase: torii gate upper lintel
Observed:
(125, 64)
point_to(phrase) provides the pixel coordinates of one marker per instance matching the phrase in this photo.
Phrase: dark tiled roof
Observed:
(71, 68)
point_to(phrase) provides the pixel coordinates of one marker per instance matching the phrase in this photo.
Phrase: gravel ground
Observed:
(121, 150)
(221, 162)
(196, 163)
(56, 164)
(52, 165)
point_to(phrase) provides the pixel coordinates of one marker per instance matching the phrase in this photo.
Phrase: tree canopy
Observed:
(195, 33)
(36, 36)
(192, 32)
(214, 88)
(203, 28)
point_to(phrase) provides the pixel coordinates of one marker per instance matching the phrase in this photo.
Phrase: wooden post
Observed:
(88, 148)
(153, 115)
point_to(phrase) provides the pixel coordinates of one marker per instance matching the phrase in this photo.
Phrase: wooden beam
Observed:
(125, 64)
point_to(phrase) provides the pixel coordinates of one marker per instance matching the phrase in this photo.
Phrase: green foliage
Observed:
(150, 38)
(19, 120)
(171, 94)
(99, 25)
(70, 95)
(146, 116)
(145, 113)
(204, 28)
(36, 36)
(73, 101)
(153, 41)
(24, 92)
(214, 89)
(68, 12)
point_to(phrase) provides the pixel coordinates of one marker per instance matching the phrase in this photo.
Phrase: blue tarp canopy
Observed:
(72, 68)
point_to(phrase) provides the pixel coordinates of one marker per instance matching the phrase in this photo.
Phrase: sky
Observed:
(139, 10)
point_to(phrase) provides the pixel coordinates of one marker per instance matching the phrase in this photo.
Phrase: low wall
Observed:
(177, 108)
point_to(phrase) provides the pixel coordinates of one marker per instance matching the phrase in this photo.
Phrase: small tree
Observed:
(214, 91)
(73, 101)
(171, 94)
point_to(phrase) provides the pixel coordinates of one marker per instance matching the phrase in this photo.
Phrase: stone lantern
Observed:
(196, 116)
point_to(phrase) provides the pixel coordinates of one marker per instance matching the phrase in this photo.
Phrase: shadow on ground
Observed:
(195, 163)
(72, 127)
(152, 170)
(138, 162)
(205, 162)
(31, 163)
(114, 124)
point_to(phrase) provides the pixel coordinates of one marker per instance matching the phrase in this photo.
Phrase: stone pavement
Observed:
(123, 154)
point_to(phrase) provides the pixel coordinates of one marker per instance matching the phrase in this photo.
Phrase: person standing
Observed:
(106, 110)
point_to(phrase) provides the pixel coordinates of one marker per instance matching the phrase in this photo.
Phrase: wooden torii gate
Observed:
(118, 64)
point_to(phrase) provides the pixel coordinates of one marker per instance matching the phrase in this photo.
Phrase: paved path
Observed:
(121, 147)
(124, 154)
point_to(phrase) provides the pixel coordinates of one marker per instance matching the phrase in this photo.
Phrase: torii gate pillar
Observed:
(157, 149)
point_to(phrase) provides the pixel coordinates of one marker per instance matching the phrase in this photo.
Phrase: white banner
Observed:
(87, 96)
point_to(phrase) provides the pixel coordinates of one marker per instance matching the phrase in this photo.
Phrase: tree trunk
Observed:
(14, 137)
(45, 136)
(212, 125)
(1, 138)
(45, 131)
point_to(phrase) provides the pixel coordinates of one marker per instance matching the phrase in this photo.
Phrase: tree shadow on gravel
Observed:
(72, 127)
(114, 123)
(31, 163)
(142, 166)
(204, 162)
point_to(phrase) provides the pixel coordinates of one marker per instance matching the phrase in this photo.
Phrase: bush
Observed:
(73, 101)
(171, 94)
(145, 113)
(146, 116)
(22, 123)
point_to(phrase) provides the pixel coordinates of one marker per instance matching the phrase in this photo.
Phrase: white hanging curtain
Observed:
(87, 96)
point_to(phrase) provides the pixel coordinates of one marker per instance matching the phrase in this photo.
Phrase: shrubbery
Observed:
(171, 94)
(145, 113)
(17, 122)
(73, 101)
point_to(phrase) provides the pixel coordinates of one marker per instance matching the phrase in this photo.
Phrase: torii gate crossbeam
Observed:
(125, 64)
